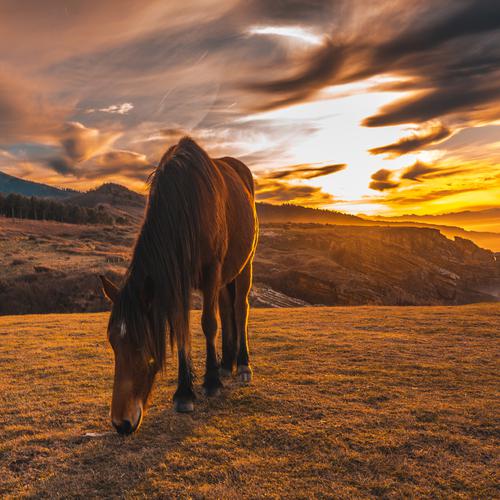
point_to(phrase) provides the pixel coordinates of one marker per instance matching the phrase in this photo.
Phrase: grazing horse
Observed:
(199, 232)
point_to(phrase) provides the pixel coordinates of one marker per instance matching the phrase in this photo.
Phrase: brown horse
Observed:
(199, 232)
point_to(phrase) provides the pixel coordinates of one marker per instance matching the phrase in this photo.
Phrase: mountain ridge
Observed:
(124, 202)
(10, 184)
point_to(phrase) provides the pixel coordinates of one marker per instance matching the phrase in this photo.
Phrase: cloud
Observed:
(382, 180)
(427, 105)
(306, 171)
(119, 109)
(124, 163)
(419, 199)
(25, 113)
(62, 165)
(273, 191)
(414, 142)
(291, 12)
(417, 170)
(317, 69)
(79, 143)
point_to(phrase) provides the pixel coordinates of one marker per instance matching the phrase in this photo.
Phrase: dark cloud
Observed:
(273, 191)
(62, 165)
(382, 175)
(317, 70)
(448, 21)
(382, 180)
(428, 105)
(292, 11)
(123, 163)
(413, 143)
(417, 170)
(306, 172)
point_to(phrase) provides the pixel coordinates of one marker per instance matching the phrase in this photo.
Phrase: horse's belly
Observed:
(240, 245)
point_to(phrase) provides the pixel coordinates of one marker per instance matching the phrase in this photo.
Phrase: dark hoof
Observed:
(212, 383)
(245, 374)
(181, 406)
(225, 373)
(213, 392)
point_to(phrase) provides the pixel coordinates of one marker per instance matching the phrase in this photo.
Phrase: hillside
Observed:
(296, 213)
(352, 265)
(111, 194)
(53, 267)
(360, 402)
(10, 184)
(117, 200)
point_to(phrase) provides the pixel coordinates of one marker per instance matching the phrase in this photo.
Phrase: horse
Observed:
(199, 231)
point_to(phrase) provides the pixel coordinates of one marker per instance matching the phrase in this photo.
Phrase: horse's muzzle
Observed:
(125, 428)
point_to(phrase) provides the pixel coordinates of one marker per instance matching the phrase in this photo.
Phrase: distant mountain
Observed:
(481, 220)
(297, 213)
(10, 184)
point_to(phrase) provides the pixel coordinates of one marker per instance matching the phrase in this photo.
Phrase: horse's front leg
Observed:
(184, 395)
(210, 289)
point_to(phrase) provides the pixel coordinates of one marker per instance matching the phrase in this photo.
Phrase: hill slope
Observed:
(346, 403)
(53, 267)
(11, 184)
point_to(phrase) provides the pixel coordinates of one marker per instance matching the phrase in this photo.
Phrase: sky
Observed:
(386, 107)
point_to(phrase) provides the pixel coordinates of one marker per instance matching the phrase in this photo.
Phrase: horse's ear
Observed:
(109, 288)
(148, 292)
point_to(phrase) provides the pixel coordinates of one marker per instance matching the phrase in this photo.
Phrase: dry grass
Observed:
(347, 403)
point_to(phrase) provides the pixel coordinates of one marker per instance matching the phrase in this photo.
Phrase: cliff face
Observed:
(351, 265)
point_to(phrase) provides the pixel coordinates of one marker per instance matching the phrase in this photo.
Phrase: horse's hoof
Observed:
(225, 373)
(183, 406)
(213, 392)
(245, 374)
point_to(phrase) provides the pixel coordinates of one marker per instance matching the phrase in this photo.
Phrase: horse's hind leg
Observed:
(210, 289)
(241, 308)
(229, 340)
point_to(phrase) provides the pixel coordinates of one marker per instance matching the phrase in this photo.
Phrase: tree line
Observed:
(24, 207)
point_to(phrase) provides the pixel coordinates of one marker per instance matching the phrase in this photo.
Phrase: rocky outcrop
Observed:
(374, 265)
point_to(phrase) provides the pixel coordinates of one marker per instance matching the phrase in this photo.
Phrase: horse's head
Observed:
(135, 370)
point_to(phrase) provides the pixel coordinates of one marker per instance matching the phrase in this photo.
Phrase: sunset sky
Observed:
(384, 107)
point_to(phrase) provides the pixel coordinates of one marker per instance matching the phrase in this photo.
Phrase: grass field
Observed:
(346, 403)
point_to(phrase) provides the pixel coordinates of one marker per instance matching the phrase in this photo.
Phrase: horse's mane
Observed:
(166, 260)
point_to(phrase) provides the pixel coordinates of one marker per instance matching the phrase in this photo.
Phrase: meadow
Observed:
(347, 402)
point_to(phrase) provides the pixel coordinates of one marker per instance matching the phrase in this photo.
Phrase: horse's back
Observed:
(241, 169)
